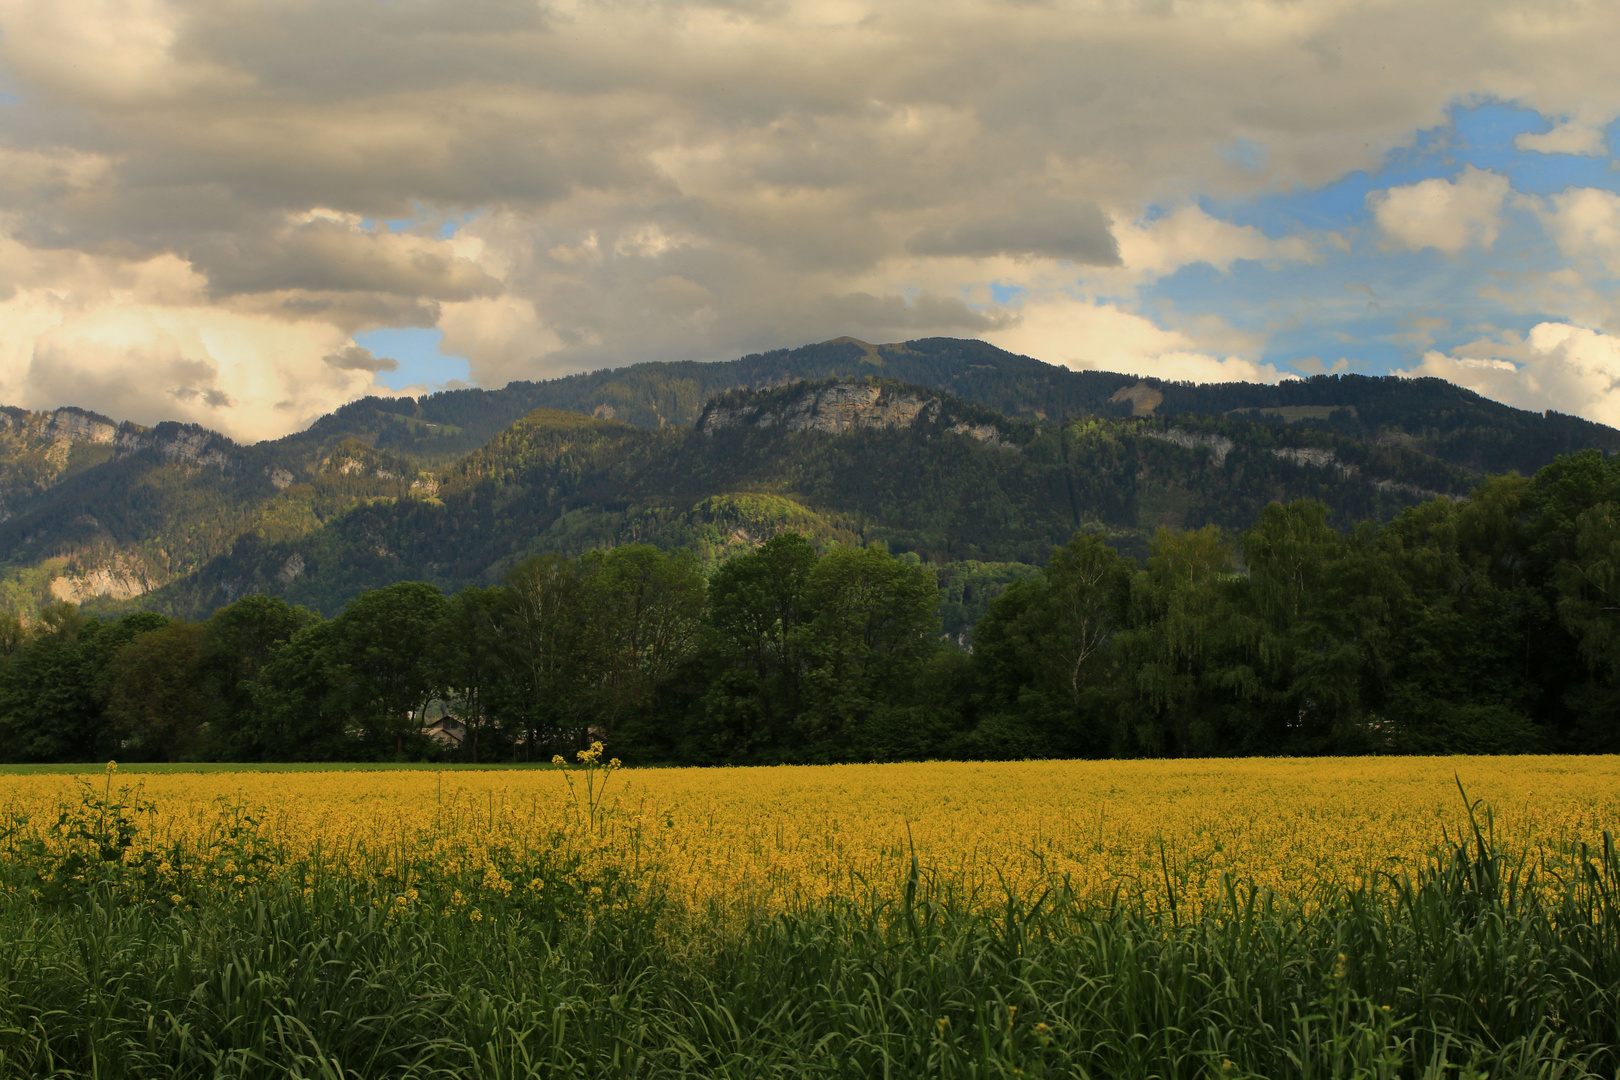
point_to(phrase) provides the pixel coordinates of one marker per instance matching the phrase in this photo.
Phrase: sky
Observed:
(245, 214)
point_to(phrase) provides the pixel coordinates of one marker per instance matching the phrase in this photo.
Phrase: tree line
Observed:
(1490, 624)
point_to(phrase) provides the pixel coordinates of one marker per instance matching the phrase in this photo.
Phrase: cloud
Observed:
(1583, 135)
(1585, 223)
(1556, 366)
(575, 185)
(1447, 215)
(1189, 235)
(141, 340)
(356, 358)
(1074, 231)
(1104, 337)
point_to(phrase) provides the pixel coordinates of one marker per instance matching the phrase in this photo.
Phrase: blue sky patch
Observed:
(421, 363)
(1369, 299)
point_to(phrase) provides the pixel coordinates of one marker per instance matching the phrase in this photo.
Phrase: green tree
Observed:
(13, 635)
(239, 640)
(1456, 671)
(874, 623)
(471, 668)
(541, 624)
(756, 605)
(304, 708)
(156, 704)
(1315, 620)
(645, 609)
(1180, 646)
(52, 694)
(1588, 590)
(383, 642)
(1044, 655)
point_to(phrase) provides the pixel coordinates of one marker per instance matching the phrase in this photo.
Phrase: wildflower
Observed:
(475, 915)
(112, 767)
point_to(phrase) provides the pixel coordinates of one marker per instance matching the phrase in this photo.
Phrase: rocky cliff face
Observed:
(53, 435)
(830, 409)
(837, 408)
(63, 426)
(120, 576)
(1219, 445)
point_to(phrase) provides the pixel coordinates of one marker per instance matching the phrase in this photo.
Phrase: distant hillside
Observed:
(1430, 415)
(848, 462)
(712, 456)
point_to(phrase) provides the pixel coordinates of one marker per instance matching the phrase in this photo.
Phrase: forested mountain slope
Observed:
(1434, 416)
(855, 463)
(105, 513)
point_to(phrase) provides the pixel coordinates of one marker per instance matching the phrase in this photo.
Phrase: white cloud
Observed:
(1103, 337)
(1447, 215)
(1556, 366)
(1191, 235)
(1585, 223)
(693, 179)
(1584, 135)
(142, 341)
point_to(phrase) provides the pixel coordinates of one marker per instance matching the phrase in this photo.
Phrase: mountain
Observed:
(964, 455)
(1430, 415)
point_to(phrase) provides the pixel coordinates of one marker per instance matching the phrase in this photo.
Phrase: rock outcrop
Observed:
(831, 409)
(121, 577)
(61, 427)
(988, 434)
(59, 431)
(1316, 457)
(1218, 445)
(845, 406)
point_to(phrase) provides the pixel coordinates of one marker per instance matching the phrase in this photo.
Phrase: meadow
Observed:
(1259, 917)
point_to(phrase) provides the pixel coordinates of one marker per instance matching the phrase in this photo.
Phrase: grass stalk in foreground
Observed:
(1478, 966)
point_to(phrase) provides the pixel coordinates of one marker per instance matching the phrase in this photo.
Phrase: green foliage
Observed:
(1043, 656)
(156, 703)
(757, 608)
(468, 664)
(357, 685)
(1466, 967)
(1482, 625)
(644, 611)
(872, 625)
(240, 640)
(52, 689)
(457, 488)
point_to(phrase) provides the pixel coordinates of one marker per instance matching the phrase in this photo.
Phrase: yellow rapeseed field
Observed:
(781, 838)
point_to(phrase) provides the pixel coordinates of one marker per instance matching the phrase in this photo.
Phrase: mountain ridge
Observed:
(114, 513)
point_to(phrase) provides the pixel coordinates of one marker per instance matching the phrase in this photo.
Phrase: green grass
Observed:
(1466, 971)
